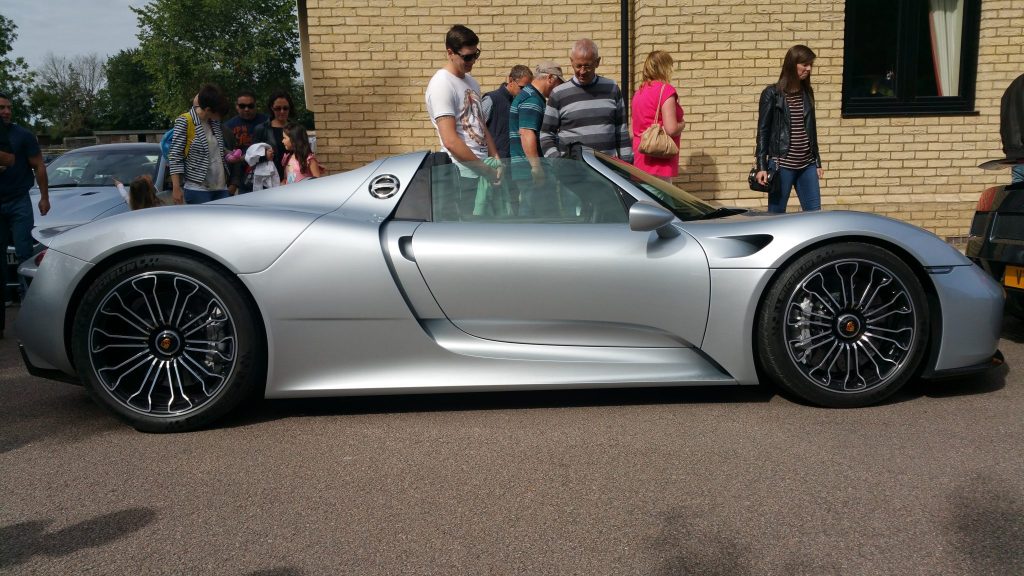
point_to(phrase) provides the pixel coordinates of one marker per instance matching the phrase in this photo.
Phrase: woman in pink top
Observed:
(648, 98)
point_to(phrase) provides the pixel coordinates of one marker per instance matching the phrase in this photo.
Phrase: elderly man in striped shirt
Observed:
(588, 109)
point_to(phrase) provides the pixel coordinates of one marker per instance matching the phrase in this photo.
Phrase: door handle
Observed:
(405, 247)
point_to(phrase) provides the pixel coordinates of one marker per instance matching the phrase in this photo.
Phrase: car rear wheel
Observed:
(166, 342)
(845, 325)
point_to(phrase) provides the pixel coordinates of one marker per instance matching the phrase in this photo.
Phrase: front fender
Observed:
(742, 241)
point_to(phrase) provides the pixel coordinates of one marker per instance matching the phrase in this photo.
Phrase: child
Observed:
(141, 193)
(299, 162)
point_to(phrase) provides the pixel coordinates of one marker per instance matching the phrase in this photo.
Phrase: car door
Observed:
(557, 264)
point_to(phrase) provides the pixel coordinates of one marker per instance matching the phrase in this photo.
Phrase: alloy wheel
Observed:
(162, 344)
(850, 325)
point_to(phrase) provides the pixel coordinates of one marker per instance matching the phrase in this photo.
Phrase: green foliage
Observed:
(66, 94)
(236, 44)
(127, 102)
(15, 77)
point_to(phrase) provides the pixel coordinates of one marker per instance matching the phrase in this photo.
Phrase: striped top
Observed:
(593, 115)
(799, 154)
(195, 166)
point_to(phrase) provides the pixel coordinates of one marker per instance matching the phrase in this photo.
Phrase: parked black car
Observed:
(997, 240)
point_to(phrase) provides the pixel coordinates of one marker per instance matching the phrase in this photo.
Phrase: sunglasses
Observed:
(469, 57)
(246, 106)
(281, 108)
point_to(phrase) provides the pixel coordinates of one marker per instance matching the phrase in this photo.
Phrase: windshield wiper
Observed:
(67, 185)
(721, 213)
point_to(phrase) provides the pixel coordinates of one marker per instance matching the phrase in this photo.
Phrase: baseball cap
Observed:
(550, 68)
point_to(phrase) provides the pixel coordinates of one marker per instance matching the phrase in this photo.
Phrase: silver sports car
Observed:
(411, 275)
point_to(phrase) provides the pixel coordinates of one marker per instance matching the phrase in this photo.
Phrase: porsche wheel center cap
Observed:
(167, 343)
(848, 326)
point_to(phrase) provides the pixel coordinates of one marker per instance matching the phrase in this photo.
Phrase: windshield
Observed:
(101, 167)
(684, 204)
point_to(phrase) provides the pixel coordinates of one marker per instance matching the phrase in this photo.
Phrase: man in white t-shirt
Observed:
(453, 102)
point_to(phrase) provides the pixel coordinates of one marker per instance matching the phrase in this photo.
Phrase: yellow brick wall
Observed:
(370, 62)
(921, 169)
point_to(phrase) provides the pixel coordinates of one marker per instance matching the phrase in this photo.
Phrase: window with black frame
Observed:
(910, 57)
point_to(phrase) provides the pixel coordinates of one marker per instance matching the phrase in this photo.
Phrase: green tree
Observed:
(235, 44)
(66, 95)
(15, 77)
(127, 101)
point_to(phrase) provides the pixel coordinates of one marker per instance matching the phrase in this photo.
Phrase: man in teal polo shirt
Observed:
(524, 121)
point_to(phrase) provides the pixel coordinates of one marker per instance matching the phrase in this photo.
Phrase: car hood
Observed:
(78, 205)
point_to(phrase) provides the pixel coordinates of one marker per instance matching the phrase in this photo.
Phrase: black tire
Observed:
(167, 342)
(1015, 304)
(845, 325)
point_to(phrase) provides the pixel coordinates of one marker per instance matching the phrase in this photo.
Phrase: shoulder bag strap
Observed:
(657, 104)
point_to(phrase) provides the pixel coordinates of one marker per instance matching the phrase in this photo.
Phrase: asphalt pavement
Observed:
(661, 481)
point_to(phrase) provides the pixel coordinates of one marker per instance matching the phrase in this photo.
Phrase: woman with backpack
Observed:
(199, 172)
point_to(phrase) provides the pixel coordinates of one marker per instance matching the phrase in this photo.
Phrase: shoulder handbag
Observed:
(655, 141)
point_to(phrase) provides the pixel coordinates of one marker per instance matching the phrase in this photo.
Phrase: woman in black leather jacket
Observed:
(272, 131)
(787, 135)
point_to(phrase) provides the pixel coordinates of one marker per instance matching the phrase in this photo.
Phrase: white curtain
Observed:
(947, 23)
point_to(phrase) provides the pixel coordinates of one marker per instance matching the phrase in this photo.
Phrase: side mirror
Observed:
(645, 216)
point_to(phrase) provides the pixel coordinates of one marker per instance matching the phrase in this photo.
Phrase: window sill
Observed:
(922, 106)
(906, 113)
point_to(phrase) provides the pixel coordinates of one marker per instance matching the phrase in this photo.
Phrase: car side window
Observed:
(561, 191)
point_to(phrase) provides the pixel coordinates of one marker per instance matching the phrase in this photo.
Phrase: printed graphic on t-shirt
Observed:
(243, 138)
(472, 118)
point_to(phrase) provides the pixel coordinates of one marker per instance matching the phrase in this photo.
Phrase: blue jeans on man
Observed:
(204, 196)
(807, 188)
(16, 221)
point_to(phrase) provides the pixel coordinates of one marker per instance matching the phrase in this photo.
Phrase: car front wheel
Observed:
(167, 342)
(845, 325)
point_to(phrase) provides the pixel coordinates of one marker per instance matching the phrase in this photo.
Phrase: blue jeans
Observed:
(807, 189)
(16, 221)
(1017, 175)
(204, 196)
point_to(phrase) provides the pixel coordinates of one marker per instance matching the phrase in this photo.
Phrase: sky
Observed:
(75, 28)
(72, 27)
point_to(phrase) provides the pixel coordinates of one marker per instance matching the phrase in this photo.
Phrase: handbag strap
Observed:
(657, 105)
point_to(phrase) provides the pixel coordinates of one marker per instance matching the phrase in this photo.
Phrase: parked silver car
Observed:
(397, 277)
(82, 181)
(81, 188)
